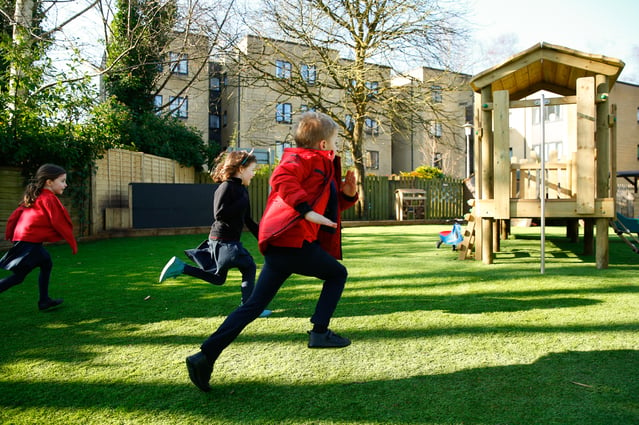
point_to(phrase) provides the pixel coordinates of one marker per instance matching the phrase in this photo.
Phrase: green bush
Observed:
(425, 172)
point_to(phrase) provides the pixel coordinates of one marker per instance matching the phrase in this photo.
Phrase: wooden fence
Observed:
(110, 206)
(113, 174)
(443, 197)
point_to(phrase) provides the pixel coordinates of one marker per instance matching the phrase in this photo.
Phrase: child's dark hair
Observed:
(229, 163)
(312, 128)
(35, 186)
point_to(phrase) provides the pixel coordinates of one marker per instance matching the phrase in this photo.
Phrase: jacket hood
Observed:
(308, 153)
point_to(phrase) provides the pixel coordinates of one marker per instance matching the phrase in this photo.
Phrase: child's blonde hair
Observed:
(35, 186)
(229, 163)
(312, 128)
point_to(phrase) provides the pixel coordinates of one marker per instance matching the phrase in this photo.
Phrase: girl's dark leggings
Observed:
(20, 273)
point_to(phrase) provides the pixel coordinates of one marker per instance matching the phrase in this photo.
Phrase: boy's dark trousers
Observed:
(279, 264)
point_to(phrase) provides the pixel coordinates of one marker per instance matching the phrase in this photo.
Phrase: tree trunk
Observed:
(23, 18)
(360, 170)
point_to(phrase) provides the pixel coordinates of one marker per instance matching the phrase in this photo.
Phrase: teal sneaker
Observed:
(174, 267)
(266, 313)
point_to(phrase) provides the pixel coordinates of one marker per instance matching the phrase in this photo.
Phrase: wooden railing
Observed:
(526, 180)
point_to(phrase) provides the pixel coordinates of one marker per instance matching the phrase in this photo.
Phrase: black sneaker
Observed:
(200, 369)
(328, 339)
(49, 303)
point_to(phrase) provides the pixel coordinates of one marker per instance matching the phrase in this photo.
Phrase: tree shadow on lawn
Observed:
(595, 388)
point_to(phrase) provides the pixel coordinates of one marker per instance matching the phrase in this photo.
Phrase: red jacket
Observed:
(46, 221)
(301, 182)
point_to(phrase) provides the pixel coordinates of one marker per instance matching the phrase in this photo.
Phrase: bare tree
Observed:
(354, 47)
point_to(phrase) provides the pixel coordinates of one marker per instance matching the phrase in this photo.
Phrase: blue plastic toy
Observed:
(451, 237)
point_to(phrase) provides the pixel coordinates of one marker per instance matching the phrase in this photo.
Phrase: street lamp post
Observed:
(468, 128)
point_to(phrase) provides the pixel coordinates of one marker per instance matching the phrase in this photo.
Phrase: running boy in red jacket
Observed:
(299, 233)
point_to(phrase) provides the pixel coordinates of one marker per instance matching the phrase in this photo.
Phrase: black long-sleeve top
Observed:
(231, 211)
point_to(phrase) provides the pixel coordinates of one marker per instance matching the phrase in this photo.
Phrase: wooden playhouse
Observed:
(578, 187)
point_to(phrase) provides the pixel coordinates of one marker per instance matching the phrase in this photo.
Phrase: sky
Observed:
(609, 28)
(501, 28)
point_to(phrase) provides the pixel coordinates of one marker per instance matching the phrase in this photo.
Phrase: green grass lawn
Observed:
(435, 340)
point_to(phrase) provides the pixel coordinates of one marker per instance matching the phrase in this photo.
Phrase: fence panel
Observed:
(444, 197)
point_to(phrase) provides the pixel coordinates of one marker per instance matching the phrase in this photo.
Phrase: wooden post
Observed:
(501, 164)
(602, 144)
(586, 116)
(477, 143)
(613, 150)
(588, 236)
(572, 230)
(487, 176)
(501, 157)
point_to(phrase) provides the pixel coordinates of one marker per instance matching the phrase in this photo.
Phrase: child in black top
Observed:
(231, 211)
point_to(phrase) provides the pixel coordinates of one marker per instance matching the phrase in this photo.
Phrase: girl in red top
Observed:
(41, 217)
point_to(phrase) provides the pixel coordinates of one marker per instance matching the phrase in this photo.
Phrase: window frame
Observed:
(284, 113)
(179, 63)
(283, 69)
(179, 106)
(372, 160)
(158, 101)
(437, 129)
(373, 88)
(438, 160)
(436, 93)
(213, 118)
(371, 126)
(309, 74)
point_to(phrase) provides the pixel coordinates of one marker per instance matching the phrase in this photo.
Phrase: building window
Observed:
(282, 69)
(436, 129)
(437, 160)
(637, 115)
(306, 108)
(436, 94)
(279, 148)
(157, 103)
(309, 74)
(179, 63)
(214, 83)
(373, 88)
(347, 158)
(551, 113)
(637, 152)
(284, 114)
(372, 160)
(371, 126)
(214, 121)
(352, 85)
(225, 119)
(179, 106)
(350, 124)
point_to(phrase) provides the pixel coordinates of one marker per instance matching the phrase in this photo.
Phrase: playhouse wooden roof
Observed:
(548, 67)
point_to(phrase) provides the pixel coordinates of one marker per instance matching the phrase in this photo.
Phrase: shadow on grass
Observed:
(595, 388)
